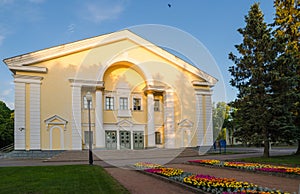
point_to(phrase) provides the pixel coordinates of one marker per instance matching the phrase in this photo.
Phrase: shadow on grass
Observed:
(58, 179)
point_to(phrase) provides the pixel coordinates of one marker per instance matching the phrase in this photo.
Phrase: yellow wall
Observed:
(56, 92)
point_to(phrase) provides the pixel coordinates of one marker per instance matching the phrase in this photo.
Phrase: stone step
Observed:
(32, 154)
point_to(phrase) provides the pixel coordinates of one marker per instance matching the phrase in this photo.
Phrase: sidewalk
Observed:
(138, 183)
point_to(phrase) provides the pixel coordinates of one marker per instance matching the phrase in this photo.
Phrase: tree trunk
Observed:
(266, 144)
(298, 149)
(266, 149)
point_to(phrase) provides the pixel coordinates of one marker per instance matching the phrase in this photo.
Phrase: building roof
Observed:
(24, 62)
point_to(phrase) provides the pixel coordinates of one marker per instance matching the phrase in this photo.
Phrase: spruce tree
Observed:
(250, 77)
(286, 74)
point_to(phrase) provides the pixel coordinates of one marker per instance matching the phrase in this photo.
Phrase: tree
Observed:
(230, 124)
(220, 115)
(250, 77)
(287, 23)
(6, 125)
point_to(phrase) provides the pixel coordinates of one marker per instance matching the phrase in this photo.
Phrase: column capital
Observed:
(204, 92)
(28, 79)
(151, 89)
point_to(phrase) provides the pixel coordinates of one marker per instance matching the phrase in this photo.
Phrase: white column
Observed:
(209, 125)
(169, 124)
(151, 129)
(100, 134)
(199, 120)
(19, 131)
(76, 118)
(35, 118)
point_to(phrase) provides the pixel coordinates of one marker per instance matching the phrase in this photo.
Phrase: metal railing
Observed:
(7, 148)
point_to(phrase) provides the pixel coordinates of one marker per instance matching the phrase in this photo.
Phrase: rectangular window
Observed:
(157, 138)
(137, 104)
(156, 105)
(109, 103)
(85, 103)
(123, 103)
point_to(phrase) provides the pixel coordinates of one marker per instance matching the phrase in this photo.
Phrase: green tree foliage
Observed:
(220, 117)
(6, 125)
(250, 77)
(286, 86)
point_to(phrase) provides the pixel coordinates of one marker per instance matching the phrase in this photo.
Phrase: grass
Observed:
(58, 179)
(293, 160)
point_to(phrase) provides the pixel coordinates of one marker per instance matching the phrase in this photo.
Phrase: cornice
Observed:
(27, 79)
(28, 69)
(87, 83)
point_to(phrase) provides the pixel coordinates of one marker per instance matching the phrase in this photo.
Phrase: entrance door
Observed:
(125, 140)
(111, 140)
(138, 140)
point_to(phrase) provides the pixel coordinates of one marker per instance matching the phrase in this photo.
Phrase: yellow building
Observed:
(142, 96)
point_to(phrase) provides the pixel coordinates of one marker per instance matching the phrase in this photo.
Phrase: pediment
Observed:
(186, 123)
(125, 123)
(56, 120)
(24, 62)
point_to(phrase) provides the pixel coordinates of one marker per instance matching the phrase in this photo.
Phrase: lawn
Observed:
(293, 160)
(58, 179)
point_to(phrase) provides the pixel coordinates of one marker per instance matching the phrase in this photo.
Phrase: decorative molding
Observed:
(28, 69)
(207, 92)
(27, 79)
(200, 83)
(61, 121)
(87, 83)
(125, 123)
(154, 89)
(185, 123)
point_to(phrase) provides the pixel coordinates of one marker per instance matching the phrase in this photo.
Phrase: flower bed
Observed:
(252, 166)
(205, 183)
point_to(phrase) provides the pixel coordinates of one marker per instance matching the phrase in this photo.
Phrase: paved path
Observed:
(138, 183)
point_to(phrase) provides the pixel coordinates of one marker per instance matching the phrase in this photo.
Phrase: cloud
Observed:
(7, 97)
(98, 12)
(9, 104)
(6, 92)
(71, 28)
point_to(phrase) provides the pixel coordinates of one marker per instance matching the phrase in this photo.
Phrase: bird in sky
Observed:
(169, 4)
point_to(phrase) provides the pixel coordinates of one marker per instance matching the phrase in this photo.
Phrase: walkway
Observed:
(138, 183)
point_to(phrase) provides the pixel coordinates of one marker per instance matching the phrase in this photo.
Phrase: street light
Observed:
(89, 100)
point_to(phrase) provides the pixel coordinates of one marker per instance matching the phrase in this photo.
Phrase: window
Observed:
(123, 103)
(157, 138)
(137, 104)
(85, 103)
(109, 103)
(156, 105)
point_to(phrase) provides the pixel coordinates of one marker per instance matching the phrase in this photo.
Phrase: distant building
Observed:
(142, 96)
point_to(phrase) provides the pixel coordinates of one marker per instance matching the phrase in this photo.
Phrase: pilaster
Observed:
(169, 123)
(76, 118)
(19, 131)
(150, 123)
(35, 118)
(100, 134)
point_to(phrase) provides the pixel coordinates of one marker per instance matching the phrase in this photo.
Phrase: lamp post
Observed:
(89, 99)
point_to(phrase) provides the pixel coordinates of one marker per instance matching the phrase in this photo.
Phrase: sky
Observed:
(31, 25)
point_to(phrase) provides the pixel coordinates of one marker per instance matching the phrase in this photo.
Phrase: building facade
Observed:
(142, 96)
